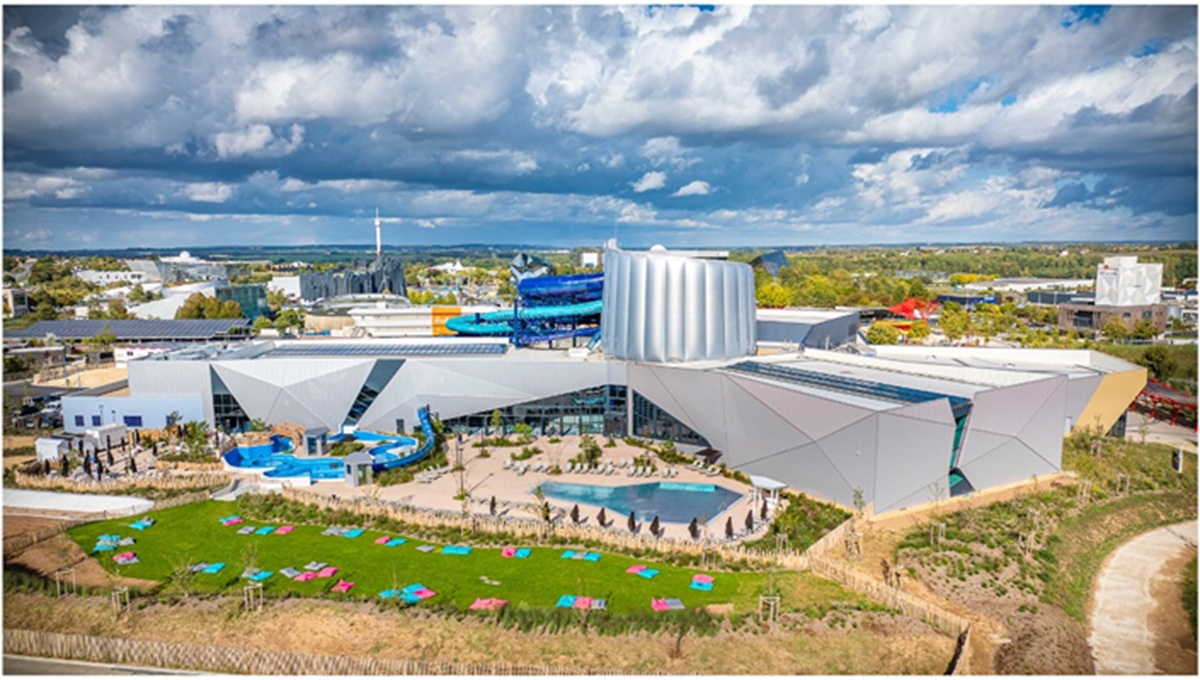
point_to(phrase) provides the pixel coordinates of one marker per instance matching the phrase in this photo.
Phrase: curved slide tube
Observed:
(550, 308)
(425, 450)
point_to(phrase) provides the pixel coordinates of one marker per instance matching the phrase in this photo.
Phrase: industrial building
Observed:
(682, 354)
(252, 298)
(381, 275)
(1125, 291)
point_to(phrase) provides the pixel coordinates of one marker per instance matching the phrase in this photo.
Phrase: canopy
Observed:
(766, 483)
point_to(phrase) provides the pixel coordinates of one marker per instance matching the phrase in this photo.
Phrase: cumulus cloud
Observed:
(650, 181)
(207, 192)
(695, 188)
(257, 140)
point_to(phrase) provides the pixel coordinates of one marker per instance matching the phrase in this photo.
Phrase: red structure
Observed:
(1158, 398)
(912, 308)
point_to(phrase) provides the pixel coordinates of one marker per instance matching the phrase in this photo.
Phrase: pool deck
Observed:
(486, 477)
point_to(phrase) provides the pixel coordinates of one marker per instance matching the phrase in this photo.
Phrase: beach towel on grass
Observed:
(138, 525)
(674, 603)
(264, 531)
(456, 550)
(227, 518)
(702, 578)
(523, 553)
(508, 551)
(231, 522)
(389, 593)
(127, 541)
(246, 530)
(354, 533)
(214, 568)
(327, 572)
(409, 598)
(566, 601)
(426, 548)
(701, 585)
(284, 530)
(122, 556)
(648, 573)
(635, 569)
(104, 547)
(395, 542)
(659, 605)
(314, 566)
(600, 604)
(568, 555)
(306, 577)
(582, 603)
(199, 566)
(289, 572)
(487, 603)
(424, 593)
(382, 540)
(592, 557)
(131, 560)
(249, 572)
(409, 590)
(342, 586)
(332, 531)
(108, 538)
(261, 576)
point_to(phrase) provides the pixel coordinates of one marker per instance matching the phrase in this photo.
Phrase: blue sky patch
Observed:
(1086, 14)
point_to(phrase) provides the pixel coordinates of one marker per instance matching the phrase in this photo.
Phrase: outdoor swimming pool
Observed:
(671, 501)
(275, 460)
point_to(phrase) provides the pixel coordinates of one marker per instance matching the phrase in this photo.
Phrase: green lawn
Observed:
(192, 533)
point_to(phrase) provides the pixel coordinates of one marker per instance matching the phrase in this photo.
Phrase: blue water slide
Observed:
(548, 308)
(419, 454)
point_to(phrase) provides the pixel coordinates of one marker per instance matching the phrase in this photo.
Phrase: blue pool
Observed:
(671, 501)
(277, 461)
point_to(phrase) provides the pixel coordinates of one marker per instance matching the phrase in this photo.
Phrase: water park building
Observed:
(902, 425)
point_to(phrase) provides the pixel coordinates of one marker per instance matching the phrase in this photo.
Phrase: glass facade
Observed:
(227, 412)
(595, 410)
(381, 373)
(652, 422)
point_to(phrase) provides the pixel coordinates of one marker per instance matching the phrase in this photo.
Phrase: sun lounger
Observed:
(659, 605)
(408, 590)
(396, 542)
(327, 572)
(426, 548)
(128, 560)
(199, 566)
(699, 585)
(702, 578)
(522, 553)
(675, 604)
(353, 533)
(227, 518)
(214, 568)
(249, 572)
(382, 540)
(283, 530)
(306, 576)
(261, 576)
(109, 538)
(600, 604)
(566, 602)
(582, 603)
(635, 569)
(342, 586)
(235, 520)
(456, 550)
(104, 547)
(648, 573)
(264, 531)
(246, 531)
(122, 556)
(289, 572)
(508, 551)
(127, 541)
(332, 531)
(424, 593)
(592, 557)
(568, 554)
(389, 594)
(314, 566)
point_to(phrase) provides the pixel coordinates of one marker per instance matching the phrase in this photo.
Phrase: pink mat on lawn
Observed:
(327, 572)
(659, 605)
(306, 576)
(343, 586)
(702, 578)
(285, 529)
(583, 603)
(508, 551)
(424, 593)
(635, 569)
(236, 520)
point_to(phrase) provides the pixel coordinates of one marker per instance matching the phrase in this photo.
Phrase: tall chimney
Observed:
(378, 235)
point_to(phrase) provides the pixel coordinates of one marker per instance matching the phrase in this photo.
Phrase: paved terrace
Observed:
(486, 477)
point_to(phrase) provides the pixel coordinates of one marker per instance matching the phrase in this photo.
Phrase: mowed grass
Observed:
(192, 533)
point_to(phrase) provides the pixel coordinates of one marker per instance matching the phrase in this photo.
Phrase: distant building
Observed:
(252, 298)
(104, 278)
(383, 275)
(16, 303)
(589, 259)
(188, 268)
(148, 269)
(772, 262)
(137, 330)
(1093, 317)
(525, 266)
(1122, 282)
(1022, 285)
(1058, 297)
(452, 268)
(968, 302)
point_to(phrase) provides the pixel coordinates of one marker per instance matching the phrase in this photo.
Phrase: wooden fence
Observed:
(959, 663)
(539, 532)
(243, 661)
(135, 484)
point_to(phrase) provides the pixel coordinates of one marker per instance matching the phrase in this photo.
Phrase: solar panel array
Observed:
(840, 383)
(133, 329)
(376, 350)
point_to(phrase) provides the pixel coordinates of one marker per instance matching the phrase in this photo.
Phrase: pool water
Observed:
(671, 501)
(275, 457)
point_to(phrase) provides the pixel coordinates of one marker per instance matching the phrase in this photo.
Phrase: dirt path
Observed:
(1135, 612)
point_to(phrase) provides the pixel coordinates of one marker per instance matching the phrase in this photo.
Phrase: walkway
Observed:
(115, 506)
(1126, 616)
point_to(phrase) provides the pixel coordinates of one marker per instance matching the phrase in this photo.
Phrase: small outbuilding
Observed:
(358, 468)
(51, 448)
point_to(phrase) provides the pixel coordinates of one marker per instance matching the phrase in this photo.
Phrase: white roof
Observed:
(767, 483)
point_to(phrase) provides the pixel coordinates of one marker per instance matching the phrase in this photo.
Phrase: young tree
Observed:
(919, 331)
(1115, 330)
(880, 334)
(954, 321)
(772, 295)
(1144, 329)
(105, 338)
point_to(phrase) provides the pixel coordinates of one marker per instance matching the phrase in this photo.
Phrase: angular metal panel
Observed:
(914, 455)
(1043, 433)
(330, 395)
(1079, 393)
(754, 430)
(1007, 409)
(699, 397)
(812, 416)
(256, 395)
(1011, 462)
(805, 469)
(853, 451)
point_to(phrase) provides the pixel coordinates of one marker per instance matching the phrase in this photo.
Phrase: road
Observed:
(1126, 617)
(28, 665)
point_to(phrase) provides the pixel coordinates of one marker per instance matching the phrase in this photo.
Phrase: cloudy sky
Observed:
(165, 126)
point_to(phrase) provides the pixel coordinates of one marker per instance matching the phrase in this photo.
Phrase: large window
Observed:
(78, 421)
(133, 421)
(227, 412)
(595, 410)
(651, 421)
(95, 421)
